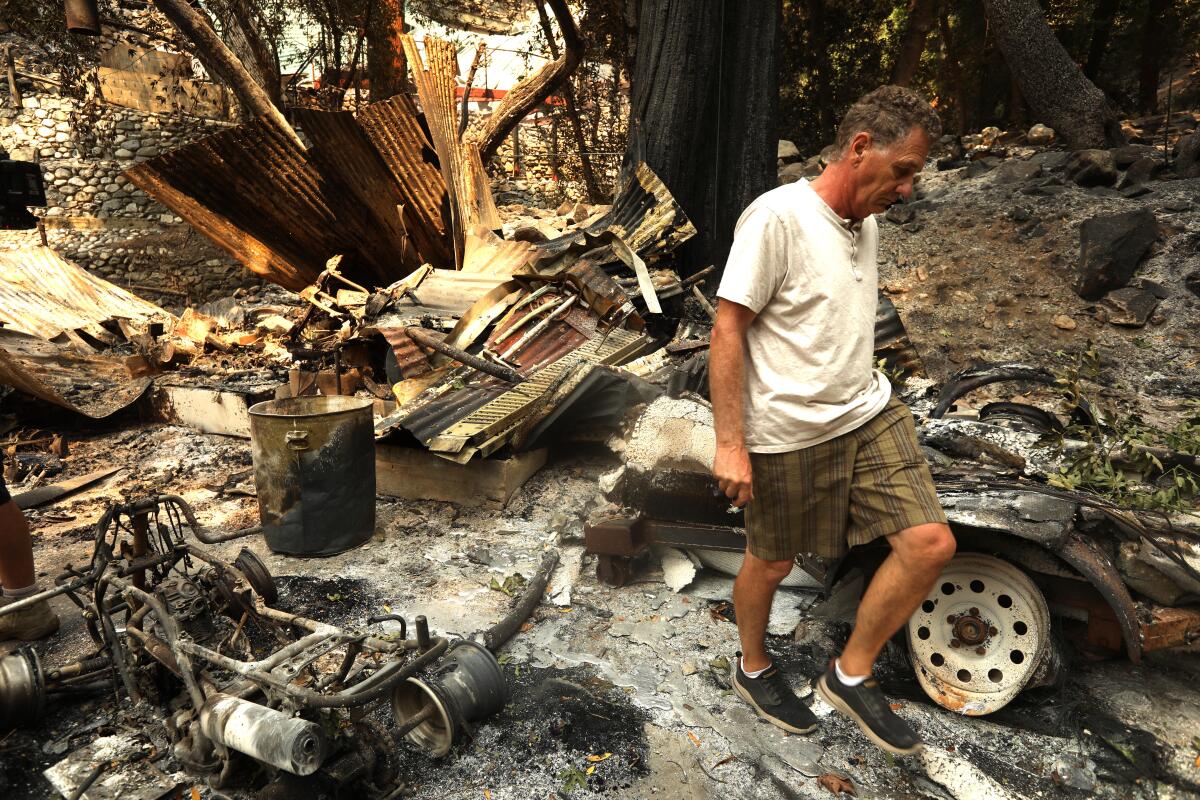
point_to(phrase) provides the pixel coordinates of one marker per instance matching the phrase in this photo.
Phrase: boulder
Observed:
(1127, 154)
(1130, 307)
(1092, 168)
(1040, 135)
(792, 173)
(1187, 156)
(1141, 171)
(1192, 282)
(989, 135)
(1017, 171)
(1110, 248)
(788, 151)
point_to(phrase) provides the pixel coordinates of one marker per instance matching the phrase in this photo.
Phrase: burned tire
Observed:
(980, 636)
(258, 575)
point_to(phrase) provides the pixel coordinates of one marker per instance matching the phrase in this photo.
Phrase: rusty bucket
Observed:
(314, 467)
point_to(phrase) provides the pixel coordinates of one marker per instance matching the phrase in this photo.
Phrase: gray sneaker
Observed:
(27, 624)
(770, 695)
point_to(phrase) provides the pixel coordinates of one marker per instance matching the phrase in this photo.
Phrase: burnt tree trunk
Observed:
(1102, 22)
(1054, 87)
(912, 45)
(531, 91)
(1153, 33)
(705, 96)
(386, 67)
(220, 60)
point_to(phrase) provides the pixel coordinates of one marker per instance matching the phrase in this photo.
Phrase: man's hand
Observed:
(731, 468)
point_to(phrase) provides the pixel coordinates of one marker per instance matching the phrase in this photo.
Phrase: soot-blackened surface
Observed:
(553, 721)
(334, 601)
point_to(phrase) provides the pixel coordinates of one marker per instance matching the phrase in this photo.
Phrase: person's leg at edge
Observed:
(753, 592)
(16, 552)
(919, 554)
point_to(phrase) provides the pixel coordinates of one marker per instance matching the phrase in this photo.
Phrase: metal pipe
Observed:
(541, 326)
(422, 626)
(265, 734)
(419, 336)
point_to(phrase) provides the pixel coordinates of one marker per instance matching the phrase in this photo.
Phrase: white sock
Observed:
(19, 593)
(755, 673)
(847, 680)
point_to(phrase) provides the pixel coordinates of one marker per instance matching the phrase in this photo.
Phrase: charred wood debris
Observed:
(381, 233)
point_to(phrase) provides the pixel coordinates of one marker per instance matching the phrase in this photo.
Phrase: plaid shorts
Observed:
(825, 499)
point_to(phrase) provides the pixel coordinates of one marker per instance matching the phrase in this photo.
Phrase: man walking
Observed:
(808, 432)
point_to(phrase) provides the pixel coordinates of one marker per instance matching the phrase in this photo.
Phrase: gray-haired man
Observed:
(808, 432)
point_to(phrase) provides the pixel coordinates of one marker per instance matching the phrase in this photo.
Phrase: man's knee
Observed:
(930, 545)
(762, 569)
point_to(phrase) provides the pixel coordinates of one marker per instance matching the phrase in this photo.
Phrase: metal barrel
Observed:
(314, 468)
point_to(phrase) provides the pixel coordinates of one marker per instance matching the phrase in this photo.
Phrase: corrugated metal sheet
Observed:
(396, 133)
(485, 252)
(436, 78)
(44, 295)
(410, 358)
(645, 216)
(95, 386)
(349, 162)
(252, 191)
(284, 212)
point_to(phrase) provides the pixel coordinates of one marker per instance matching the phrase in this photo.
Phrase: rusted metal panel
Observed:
(485, 252)
(1086, 556)
(409, 357)
(348, 160)
(393, 128)
(252, 191)
(467, 186)
(44, 295)
(645, 216)
(94, 386)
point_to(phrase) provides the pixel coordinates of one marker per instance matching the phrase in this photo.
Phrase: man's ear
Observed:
(860, 144)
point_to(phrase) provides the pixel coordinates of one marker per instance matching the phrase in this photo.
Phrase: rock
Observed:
(787, 150)
(1020, 214)
(123, 153)
(981, 166)
(1140, 171)
(1076, 772)
(1063, 322)
(792, 173)
(1040, 135)
(900, 213)
(1110, 248)
(1136, 190)
(1192, 282)
(911, 227)
(1092, 168)
(147, 151)
(1155, 288)
(1017, 171)
(1127, 154)
(1130, 307)
(989, 135)
(1177, 204)
(1187, 156)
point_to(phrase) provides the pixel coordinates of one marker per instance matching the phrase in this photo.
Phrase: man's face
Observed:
(883, 175)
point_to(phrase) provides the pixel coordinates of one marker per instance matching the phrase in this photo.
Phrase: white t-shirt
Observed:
(811, 278)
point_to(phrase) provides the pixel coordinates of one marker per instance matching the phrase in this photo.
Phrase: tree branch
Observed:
(527, 94)
(226, 66)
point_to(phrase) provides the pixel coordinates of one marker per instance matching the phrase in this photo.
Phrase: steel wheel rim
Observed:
(979, 636)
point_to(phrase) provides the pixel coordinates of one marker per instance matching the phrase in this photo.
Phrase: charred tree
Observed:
(1154, 30)
(245, 39)
(527, 94)
(221, 61)
(386, 68)
(705, 98)
(1053, 86)
(1102, 23)
(912, 44)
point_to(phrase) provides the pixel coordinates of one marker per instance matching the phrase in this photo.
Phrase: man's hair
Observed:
(888, 114)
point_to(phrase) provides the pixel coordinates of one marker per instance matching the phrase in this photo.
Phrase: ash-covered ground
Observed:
(616, 692)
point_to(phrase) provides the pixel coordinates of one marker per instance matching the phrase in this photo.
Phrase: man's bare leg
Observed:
(16, 549)
(904, 579)
(753, 592)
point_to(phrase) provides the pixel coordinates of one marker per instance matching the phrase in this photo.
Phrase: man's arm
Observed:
(726, 377)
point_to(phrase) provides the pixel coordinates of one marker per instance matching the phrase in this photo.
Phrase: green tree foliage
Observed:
(836, 50)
